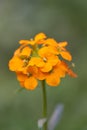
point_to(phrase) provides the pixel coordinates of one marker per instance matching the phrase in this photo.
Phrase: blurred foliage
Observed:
(64, 20)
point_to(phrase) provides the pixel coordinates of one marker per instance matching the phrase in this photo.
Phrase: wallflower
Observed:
(39, 59)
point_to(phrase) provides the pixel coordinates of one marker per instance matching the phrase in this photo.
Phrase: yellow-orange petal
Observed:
(36, 61)
(32, 70)
(40, 75)
(26, 51)
(53, 60)
(66, 55)
(39, 37)
(15, 64)
(53, 50)
(21, 77)
(30, 83)
(62, 44)
(24, 42)
(60, 69)
(51, 42)
(47, 51)
(53, 80)
(31, 42)
(43, 51)
(17, 52)
(47, 67)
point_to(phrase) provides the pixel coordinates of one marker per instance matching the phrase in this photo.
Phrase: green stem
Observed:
(44, 104)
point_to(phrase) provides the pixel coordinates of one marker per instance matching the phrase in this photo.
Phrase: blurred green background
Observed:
(64, 20)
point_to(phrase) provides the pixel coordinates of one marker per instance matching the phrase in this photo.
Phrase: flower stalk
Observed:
(44, 104)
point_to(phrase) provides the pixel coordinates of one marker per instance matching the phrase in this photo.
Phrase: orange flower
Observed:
(38, 39)
(16, 64)
(29, 79)
(20, 59)
(49, 58)
(58, 71)
(58, 48)
(28, 82)
(63, 52)
(39, 59)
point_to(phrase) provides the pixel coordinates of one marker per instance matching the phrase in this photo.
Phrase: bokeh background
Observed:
(64, 20)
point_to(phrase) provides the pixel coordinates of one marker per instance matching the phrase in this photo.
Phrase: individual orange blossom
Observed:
(29, 79)
(49, 63)
(63, 52)
(20, 59)
(38, 39)
(26, 78)
(23, 50)
(28, 82)
(16, 64)
(59, 48)
(59, 71)
(49, 58)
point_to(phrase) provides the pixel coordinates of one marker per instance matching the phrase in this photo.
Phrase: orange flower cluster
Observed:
(40, 59)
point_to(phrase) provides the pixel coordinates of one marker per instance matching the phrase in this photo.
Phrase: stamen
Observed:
(44, 59)
(25, 62)
(31, 39)
(28, 74)
(73, 64)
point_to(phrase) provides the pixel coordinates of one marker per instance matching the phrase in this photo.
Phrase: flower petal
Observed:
(21, 77)
(53, 60)
(47, 67)
(40, 75)
(62, 44)
(53, 80)
(24, 42)
(51, 42)
(30, 83)
(26, 51)
(66, 55)
(40, 37)
(36, 61)
(15, 64)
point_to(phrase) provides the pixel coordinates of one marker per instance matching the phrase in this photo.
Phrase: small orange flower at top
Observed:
(39, 59)
(38, 39)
